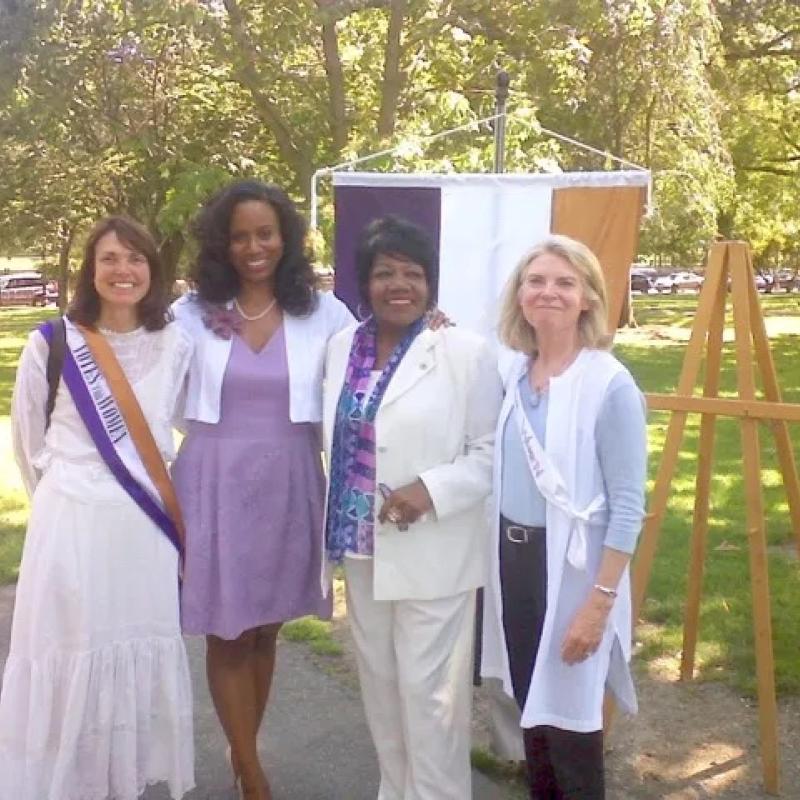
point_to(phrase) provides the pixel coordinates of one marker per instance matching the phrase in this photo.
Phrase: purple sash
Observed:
(99, 411)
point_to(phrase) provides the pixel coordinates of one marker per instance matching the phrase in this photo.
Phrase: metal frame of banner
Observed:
(501, 116)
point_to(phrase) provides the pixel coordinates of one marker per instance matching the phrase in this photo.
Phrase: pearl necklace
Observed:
(255, 316)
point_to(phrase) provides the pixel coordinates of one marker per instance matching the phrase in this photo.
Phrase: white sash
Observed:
(554, 489)
(103, 419)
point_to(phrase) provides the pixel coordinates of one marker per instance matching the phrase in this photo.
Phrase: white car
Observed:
(687, 280)
(679, 281)
(22, 289)
(664, 284)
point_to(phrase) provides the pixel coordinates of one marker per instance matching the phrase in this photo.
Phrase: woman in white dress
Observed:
(96, 695)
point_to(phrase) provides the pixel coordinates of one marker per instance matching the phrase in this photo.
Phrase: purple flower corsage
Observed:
(221, 321)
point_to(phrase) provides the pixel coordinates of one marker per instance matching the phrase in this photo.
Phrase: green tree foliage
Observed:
(147, 106)
(115, 109)
(759, 82)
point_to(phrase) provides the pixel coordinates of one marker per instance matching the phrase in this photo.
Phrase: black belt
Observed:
(519, 534)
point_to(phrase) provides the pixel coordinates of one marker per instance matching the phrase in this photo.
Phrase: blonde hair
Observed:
(516, 332)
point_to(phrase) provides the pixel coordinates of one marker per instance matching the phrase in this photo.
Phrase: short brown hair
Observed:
(516, 332)
(153, 308)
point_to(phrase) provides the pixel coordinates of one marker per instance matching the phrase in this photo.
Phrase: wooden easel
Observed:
(727, 261)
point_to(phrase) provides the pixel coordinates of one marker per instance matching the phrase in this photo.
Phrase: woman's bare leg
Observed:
(266, 645)
(230, 667)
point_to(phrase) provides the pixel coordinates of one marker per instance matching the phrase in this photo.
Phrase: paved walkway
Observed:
(314, 741)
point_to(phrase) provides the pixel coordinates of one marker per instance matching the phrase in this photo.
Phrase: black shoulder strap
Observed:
(55, 363)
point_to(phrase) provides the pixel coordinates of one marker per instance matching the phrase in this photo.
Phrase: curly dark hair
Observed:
(215, 277)
(393, 235)
(153, 308)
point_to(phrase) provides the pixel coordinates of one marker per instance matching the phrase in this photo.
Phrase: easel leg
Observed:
(762, 618)
(703, 487)
(646, 552)
(772, 392)
(741, 279)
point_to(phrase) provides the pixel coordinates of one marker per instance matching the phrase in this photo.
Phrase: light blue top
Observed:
(621, 442)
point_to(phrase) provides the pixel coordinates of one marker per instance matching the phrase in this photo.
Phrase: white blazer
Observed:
(564, 696)
(436, 422)
(306, 340)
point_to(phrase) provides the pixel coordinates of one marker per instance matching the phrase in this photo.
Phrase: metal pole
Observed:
(499, 122)
(314, 196)
(500, 98)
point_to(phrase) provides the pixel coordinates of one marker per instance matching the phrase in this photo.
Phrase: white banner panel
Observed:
(482, 223)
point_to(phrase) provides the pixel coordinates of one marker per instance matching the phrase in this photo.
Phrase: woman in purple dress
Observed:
(249, 474)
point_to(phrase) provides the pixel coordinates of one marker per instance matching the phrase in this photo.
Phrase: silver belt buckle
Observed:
(513, 531)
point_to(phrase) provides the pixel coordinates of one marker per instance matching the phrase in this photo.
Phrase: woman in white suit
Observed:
(409, 416)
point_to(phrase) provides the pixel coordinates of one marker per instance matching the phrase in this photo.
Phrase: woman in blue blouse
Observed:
(569, 501)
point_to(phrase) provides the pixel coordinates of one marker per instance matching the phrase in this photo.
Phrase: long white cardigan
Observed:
(306, 340)
(560, 695)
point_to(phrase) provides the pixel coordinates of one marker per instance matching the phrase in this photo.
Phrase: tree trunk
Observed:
(247, 75)
(392, 74)
(66, 234)
(170, 251)
(336, 84)
(626, 317)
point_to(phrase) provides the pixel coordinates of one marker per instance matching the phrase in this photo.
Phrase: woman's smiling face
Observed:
(121, 274)
(398, 290)
(255, 243)
(551, 294)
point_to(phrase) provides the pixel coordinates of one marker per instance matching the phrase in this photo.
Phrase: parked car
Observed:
(642, 280)
(764, 282)
(687, 281)
(682, 280)
(665, 284)
(51, 292)
(785, 279)
(22, 289)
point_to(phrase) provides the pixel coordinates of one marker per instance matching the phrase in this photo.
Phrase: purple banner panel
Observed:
(356, 206)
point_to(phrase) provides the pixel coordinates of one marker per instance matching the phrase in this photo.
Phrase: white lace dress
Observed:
(96, 698)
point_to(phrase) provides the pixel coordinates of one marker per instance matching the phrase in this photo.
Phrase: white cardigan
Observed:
(436, 422)
(564, 696)
(306, 340)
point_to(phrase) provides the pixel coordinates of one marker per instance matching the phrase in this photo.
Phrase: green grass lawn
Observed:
(725, 649)
(15, 323)
(654, 355)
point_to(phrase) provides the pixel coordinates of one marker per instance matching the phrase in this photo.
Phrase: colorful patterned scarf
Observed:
(351, 499)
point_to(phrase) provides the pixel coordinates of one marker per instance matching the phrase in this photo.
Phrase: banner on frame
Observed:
(483, 224)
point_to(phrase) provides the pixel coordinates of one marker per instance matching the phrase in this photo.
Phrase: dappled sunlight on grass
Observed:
(13, 520)
(15, 324)
(725, 646)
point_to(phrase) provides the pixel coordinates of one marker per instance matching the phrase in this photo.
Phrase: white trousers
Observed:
(415, 667)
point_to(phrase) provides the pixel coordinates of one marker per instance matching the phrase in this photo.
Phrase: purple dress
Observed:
(252, 491)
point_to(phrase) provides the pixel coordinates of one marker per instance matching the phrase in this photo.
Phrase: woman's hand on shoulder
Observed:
(586, 630)
(435, 318)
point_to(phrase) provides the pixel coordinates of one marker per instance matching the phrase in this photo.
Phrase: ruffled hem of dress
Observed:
(97, 725)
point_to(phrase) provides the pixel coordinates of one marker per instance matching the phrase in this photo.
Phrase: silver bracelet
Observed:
(606, 590)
